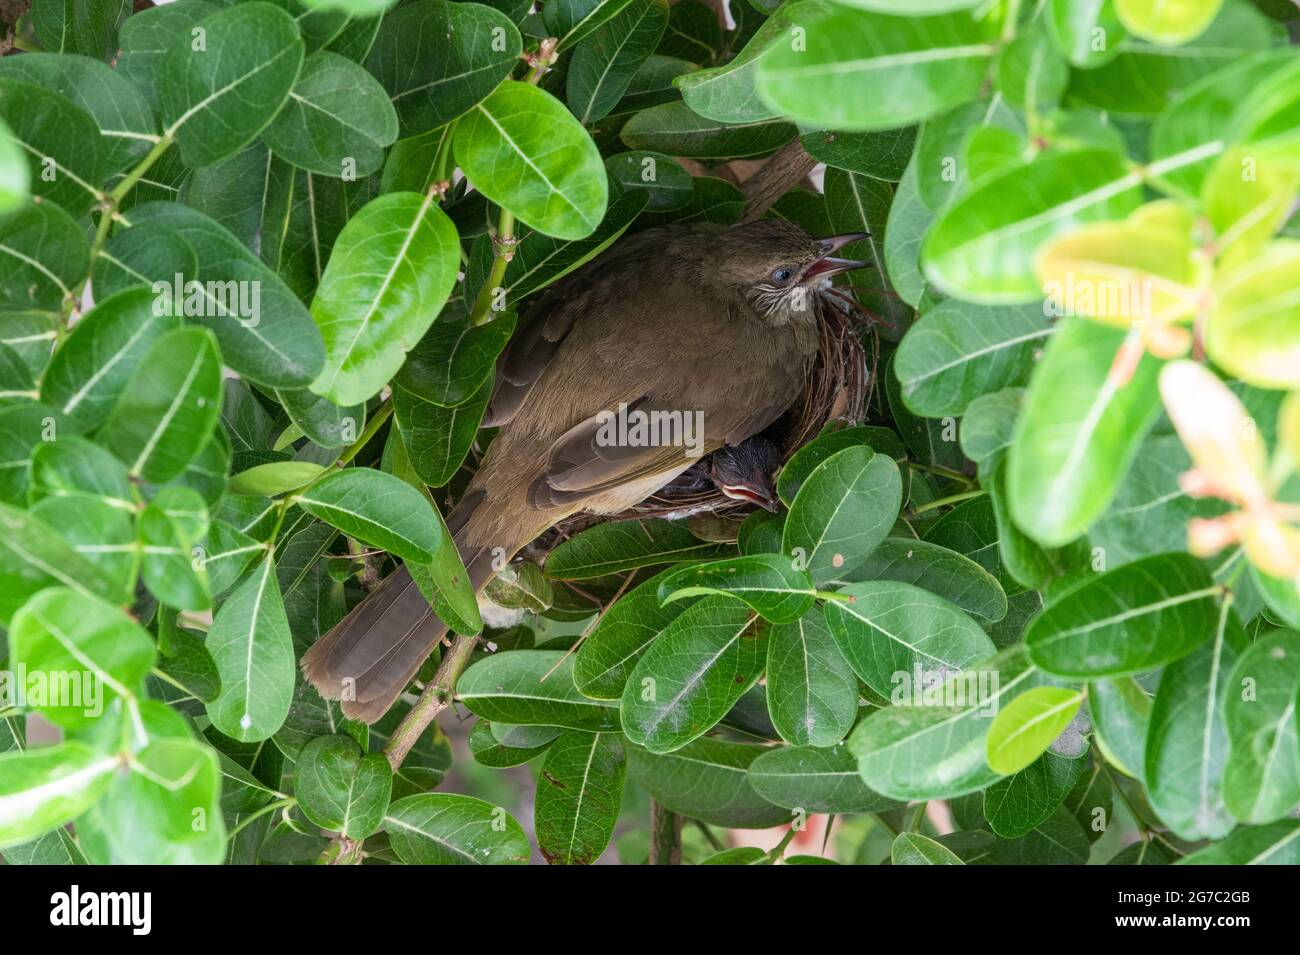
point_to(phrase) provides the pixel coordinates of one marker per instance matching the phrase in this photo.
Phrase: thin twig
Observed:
(586, 631)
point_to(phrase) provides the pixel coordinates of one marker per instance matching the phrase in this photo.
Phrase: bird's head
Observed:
(744, 472)
(778, 267)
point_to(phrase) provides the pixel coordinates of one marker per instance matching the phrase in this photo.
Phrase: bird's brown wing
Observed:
(544, 330)
(581, 465)
(547, 324)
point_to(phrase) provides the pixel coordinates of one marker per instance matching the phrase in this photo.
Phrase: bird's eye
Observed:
(782, 275)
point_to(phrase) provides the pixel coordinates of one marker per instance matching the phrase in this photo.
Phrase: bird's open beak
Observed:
(828, 264)
(759, 492)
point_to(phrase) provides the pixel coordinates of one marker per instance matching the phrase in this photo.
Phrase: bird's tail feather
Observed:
(370, 656)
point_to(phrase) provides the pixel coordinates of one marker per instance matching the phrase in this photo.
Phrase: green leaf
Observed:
(1141, 78)
(767, 583)
(579, 795)
(864, 71)
(337, 121)
(1127, 620)
(321, 420)
(1025, 561)
(1281, 596)
(192, 667)
(92, 365)
(601, 70)
(1166, 23)
(943, 572)
(912, 848)
(938, 752)
(959, 352)
(1087, 32)
(251, 627)
(611, 651)
(451, 363)
(1253, 331)
(692, 674)
(172, 527)
(928, 441)
(541, 259)
(815, 780)
(740, 855)
(487, 750)
(707, 780)
(1078, 433)
(521, 586)
(265, 333)
(437, 59)
(65, 155)
(391, 271)
(23, 428)
(982, 247)
(1261, 781)
(78, 26)
(1187, 739)
(889, 628)
(908, 224)
(812, 695)
(168, 407)
(46, 787)
(728, 93)
(75, 468)
(379, 509)
(1059, 840)
(214, 100)
(1030, 74)
(43, 254)
(675, 129)
(523, 150)
(33, 557)
(666, 183)
(448, 829)
(100, 532)
(1275, 844)
(1025, 727)
(944, 163)
(574, 20)
(16, 382)
(355, 8)
(619, 546)
(1150, 511)
(275, 478)
(147, 37)
(1237, 102)
(1015, 805)
(341, 789)
(880, 155)
(513, 686)
(165, 812)
(806, 459)
(842, 511)
(121, 112)
(438, 438)
(59, 633)
(1121, 712)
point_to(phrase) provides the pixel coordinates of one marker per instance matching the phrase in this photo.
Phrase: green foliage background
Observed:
(192, 491)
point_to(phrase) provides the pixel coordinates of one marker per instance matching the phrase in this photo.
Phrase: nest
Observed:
(838, 389)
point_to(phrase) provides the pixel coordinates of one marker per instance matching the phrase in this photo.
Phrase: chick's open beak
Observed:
(828, 264)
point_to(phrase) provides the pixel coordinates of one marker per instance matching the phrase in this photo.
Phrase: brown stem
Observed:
(437, 696)
(783, 171)
(665, 836)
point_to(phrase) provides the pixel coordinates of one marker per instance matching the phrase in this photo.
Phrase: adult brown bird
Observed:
(685, 319)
